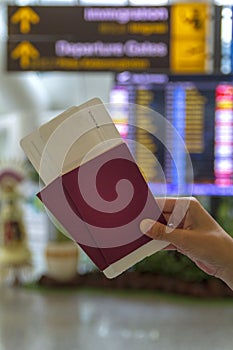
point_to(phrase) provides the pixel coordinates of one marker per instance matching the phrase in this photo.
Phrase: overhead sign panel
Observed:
(190, 37)
(77, 21)
(46, 38)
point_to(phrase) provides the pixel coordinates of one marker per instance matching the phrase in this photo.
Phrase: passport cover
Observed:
(100, 199)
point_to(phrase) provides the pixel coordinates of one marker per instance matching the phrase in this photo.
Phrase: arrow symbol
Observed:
(25, 52)
(25, 16)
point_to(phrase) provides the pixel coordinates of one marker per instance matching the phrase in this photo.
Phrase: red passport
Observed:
(100, 200)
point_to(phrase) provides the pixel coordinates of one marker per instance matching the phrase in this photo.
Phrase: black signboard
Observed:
(46, 38)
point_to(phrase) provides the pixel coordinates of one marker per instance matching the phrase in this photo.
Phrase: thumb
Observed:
(156, 230)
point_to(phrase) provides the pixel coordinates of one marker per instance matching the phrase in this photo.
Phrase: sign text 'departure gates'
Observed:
(45, 38)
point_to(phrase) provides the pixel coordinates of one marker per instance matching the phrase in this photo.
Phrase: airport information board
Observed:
(200, 107)
(171, 39)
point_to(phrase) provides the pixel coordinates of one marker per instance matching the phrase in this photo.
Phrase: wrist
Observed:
(228, 279)
(227, 275)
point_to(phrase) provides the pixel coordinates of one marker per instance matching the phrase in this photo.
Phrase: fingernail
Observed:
(146, 225)
(170, 227)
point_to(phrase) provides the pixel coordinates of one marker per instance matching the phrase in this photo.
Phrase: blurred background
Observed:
(175, 58)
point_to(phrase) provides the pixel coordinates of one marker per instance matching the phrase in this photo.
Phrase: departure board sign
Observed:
(200, 107)
(76, 38)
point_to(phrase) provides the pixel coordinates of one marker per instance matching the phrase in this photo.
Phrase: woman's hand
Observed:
(200, 238)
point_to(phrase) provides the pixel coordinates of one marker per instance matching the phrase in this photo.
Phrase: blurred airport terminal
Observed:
(164, 72)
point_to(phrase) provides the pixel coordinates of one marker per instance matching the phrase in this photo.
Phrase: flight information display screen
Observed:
(200, 108)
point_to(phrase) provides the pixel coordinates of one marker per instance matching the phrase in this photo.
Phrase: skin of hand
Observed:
(195, 234)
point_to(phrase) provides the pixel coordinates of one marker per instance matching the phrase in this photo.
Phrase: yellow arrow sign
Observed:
(25, 16)
(25, 52)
